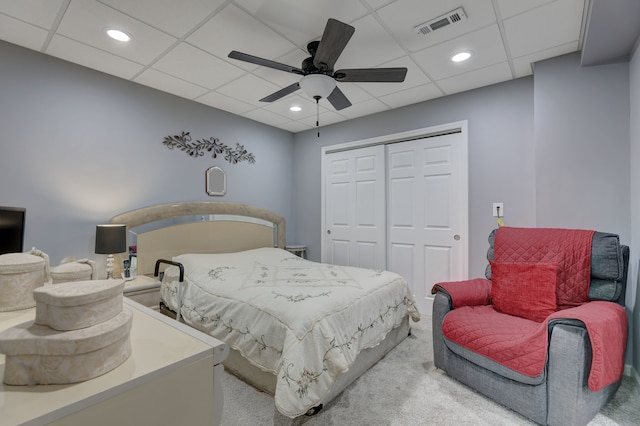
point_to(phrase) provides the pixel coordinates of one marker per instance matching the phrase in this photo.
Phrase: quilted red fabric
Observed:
(466, 293)
(521, 344)
(569, 248)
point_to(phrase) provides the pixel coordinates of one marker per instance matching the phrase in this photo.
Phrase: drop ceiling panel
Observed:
(354, 93)
(415, 77)
(403, 15)
(170, 84)
(265, 116)
(294, 126)
(486, 45)
(225, 103)
(282, 106)
(301, 21)
(41, 13)
(360, 109)
(249, 89)
(509, 8)
(412, 96)
(479, 78)
(282, 78)
(376, 4)
(194, 65)
(326, 118)
(370, 46)
(548, 26)
(234, 29)
(73, 51)
(174, 17)
(86, 22)
(20, 33)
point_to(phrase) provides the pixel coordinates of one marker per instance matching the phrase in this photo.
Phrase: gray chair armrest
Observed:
(570, 399)
(441, 306)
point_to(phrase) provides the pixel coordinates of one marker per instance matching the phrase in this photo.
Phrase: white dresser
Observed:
(171, 377)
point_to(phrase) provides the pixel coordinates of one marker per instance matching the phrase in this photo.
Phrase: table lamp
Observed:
(111, 239)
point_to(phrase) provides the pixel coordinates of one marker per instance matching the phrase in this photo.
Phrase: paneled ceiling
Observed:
(181, 46)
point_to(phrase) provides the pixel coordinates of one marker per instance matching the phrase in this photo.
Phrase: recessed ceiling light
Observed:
(295, 108)
(460, 57)
(118, 35)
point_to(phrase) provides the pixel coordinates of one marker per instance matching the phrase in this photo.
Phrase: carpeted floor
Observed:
(405, 388)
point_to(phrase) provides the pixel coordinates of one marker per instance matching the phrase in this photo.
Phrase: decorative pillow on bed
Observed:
(526, 290)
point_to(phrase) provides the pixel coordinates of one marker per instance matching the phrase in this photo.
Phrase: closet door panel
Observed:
(424, 188)
(355, 208)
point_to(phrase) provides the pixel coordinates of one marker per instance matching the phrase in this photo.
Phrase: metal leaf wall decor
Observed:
(212, 145)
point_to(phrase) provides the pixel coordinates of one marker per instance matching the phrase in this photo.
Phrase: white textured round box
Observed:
(71, 271)
(20, 274)
(78, 304)
(39, 355)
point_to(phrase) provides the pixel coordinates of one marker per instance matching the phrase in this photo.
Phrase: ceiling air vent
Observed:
(445, 20)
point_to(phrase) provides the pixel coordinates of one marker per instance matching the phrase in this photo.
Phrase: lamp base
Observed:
(110, 261)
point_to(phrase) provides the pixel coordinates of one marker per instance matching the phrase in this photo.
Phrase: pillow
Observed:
(526, 290)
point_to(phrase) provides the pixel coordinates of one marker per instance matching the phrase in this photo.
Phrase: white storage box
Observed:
(20, 274)
(77, 270)
(39, 355)
(78, 304)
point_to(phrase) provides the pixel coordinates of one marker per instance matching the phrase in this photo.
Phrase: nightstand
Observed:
(298, 250)
(144, 290)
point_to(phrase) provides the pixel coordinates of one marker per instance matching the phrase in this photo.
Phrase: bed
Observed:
(299, 330)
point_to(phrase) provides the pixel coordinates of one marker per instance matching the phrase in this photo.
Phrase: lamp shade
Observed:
(111, 238)
(317, 85)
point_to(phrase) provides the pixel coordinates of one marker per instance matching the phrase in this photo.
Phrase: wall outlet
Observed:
(498, 209)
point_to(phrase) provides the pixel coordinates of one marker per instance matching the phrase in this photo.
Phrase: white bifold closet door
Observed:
(400, 207)
(355, 208)
(427, 213)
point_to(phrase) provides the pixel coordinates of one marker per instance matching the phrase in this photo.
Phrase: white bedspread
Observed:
(303, 321)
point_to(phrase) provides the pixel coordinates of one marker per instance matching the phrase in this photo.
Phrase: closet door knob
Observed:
(456, 237)
(329, 231)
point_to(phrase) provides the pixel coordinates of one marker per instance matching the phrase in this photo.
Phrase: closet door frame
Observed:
(433, 131)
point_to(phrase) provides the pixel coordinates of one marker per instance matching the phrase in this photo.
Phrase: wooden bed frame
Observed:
(164, 231)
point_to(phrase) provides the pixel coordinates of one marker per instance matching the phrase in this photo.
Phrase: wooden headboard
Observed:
(167, 230)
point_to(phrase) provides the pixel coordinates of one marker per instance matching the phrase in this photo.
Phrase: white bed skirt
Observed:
(237, 365)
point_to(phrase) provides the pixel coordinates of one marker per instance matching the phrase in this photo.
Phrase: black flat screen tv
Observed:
(11, 229)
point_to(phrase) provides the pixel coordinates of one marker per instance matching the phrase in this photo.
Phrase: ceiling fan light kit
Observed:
(317, 85)
(319, 79)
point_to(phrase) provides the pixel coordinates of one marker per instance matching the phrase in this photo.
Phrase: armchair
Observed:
(545, 333)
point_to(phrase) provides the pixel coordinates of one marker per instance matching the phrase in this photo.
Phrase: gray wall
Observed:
(554, 149)
(582, 145)
(634, 295)
(583, 173)
(78, 147)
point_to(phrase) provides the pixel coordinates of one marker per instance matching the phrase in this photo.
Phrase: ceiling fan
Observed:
(319, 79)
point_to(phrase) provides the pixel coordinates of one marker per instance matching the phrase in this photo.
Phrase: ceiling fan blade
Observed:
(335, 38)
(281, 93)
(338, 99)
(264, 62)
(371, 75)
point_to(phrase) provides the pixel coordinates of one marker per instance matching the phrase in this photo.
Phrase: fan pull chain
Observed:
(317, 98)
